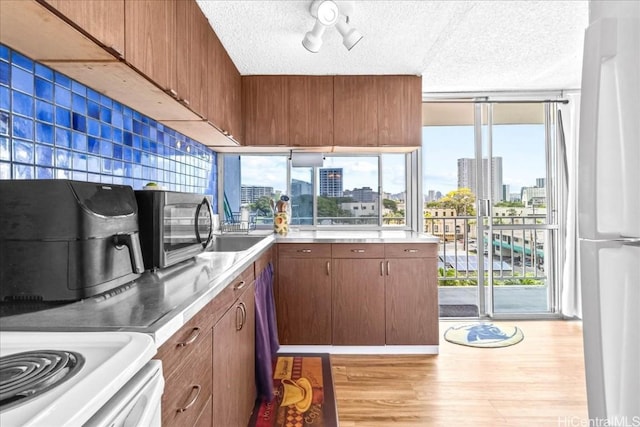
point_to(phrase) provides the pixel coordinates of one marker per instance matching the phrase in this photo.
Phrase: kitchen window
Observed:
(348, 190)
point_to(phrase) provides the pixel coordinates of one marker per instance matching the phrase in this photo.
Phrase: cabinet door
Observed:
(310, 110)
(225, 90)
(192, 30)
(234, 363)
(411, 301)
(247, 355)
(355, 106)
(150, 36)
(358, 302)
(102, 19)
(399, 111)
(265, 112)
(304, 300)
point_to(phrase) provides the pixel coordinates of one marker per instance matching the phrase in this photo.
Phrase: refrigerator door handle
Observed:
(600, 45)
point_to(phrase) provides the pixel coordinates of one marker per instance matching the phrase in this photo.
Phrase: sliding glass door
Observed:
(496, 216)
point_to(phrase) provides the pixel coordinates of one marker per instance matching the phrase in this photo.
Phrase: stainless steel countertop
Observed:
(356, 236)
(160, 303)
(157, 303)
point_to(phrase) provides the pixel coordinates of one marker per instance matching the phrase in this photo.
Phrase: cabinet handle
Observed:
(304, 251)
(357, 251)
(240, 285)
(197, 388)
(388, 269)
(240, 322)
(195, 333)
(328, 268)
(244, 313)
(411, 251)
(382, 268)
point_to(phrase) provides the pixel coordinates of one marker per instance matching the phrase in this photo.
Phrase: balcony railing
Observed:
(515, 253)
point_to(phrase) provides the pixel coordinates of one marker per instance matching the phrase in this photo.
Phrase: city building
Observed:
(251, 193)
(533, 196)
(300, 187)
(331, 182)
(359, 209)
(467, 177)
(540, 182)
(363, 195)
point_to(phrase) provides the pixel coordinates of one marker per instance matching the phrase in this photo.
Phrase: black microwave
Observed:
(173, 226)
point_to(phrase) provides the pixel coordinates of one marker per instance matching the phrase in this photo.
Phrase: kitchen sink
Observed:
(234, 242)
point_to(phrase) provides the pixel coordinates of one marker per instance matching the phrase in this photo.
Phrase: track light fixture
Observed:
(329, 13)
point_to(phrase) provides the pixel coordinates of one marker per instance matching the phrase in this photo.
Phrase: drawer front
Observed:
(304, 250)
(183, 343)
(225, 299)
(188, 390)
(355, 250)
(410, 250)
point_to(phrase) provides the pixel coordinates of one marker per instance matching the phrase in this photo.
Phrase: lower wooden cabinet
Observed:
(187, 366)
(358, 302)
(234, 363)
(209, 364)
(411, 294)
(380, 294)
(304, 294)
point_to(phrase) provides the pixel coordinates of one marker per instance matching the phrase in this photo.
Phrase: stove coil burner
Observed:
(26, 375)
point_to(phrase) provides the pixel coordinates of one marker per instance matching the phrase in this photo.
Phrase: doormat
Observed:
(458, 310)
(485, 335)
(303, 389)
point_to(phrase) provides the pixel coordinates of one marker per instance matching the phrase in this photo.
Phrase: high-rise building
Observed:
(467, 177)
(331, 182)
(505, 192)
(251, 193)
(540, 182)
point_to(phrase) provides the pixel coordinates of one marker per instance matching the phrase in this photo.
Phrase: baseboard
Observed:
(361, 349)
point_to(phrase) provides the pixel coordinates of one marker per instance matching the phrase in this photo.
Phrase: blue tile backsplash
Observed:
(53, 127)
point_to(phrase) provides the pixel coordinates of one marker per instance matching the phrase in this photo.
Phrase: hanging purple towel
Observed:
(267, 343)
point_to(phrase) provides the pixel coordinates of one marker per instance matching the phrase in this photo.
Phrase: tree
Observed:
(461, 200)
(263, 205)
(390, 204)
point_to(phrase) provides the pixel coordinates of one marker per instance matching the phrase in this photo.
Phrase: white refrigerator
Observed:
(609, 210)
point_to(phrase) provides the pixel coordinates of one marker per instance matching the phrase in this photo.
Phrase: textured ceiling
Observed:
(457, 46)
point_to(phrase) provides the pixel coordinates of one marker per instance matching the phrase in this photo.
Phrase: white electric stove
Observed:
(69, 378)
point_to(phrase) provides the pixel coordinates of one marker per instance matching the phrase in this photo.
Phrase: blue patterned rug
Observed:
(486, 335)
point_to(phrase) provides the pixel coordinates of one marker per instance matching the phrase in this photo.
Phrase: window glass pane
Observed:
(262, 178)
(348, 191)
(301, 196)
(394, 189)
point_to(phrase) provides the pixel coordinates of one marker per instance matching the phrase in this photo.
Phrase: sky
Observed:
(520, 146)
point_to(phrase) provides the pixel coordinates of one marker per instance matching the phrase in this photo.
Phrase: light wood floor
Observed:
(538, 382)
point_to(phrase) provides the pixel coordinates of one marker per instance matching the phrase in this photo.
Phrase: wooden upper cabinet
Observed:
(150, 36)
(399, 111)
(265, 110)
(225, 90)
(192, 32)
(102, 19)
(310, 110)
(355, 103)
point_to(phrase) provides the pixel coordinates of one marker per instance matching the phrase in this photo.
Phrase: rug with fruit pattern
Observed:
(303, 389)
